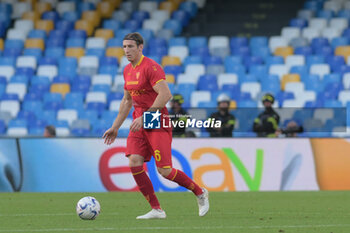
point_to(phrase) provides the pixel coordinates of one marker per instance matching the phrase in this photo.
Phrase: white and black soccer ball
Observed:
(88, 208)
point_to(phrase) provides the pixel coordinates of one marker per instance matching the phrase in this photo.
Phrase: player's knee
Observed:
(135, 161)
(164, 171)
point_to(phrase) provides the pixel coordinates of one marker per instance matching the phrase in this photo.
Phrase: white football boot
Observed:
(153, 214)
(203, 202)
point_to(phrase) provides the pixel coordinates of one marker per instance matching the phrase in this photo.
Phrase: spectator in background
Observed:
(292, 129)
(179, 114)
(50, 131)
(227, 119)
(266, 124)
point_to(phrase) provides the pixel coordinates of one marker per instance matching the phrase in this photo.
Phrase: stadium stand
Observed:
(62, 61)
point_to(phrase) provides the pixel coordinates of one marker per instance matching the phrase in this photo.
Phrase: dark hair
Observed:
(51, 130)
(135, 36)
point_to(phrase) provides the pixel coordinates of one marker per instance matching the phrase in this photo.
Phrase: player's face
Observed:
(131, 50)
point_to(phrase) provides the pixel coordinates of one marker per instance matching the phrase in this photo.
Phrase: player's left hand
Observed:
(136, 124)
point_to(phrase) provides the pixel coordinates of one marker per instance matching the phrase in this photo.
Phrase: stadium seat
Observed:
(17, 88)
(46, 25)
(68, 115)
(35, 43)
(12, 106)
(279, 70)
(61, 88)
(84, 25)
(277, 41)
(284, 51)
(199, 96)
(320, 69)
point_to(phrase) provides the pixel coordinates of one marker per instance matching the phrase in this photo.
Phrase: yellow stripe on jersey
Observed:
(158, 81)
(132, 82)
(136, 173)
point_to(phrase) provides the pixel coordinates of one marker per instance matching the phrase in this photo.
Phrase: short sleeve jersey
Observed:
(139, 82)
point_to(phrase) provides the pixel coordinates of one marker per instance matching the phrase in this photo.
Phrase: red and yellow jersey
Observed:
(139, 82)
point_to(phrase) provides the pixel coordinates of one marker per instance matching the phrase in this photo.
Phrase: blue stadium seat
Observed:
(248, 78)
(247, 104)
(26, 115)
(9, 96)
(75, 43)
(48, 61)
(305, 50)
(344, 14)
(335, 62)
(182, 16)
(274, 60)
(109, 116)
(98, 106)
(102, 88)
(61, 124)
(13, 44)
(71, 16)
(115, 42)
(65, 25)
(114, 96)
(325, 51)
(177, 41)
(140, 15)
(98, 52)
(158, 51)
(55, 52)
(332, 104)
(133, 25)
(12, 52)
(258, 41)
(200, 51)
(190, 7)
(241, 51)
(197, 41)
(85, 6)
(315, 59)
(121, 33)
(35, 106)
(303, 71)
(52, 97)
(282, 96)
(32, 96)
(19, 79)
(61, 79)
(253, 60)
(77, 34)
(55, 106)
(296, 22)
(185, 89)
(192, 60)
(174, 26)
(207, 82)
(236, 42)
(36, 131)
(18, 123)
(25, 71)
(339, 41)
(91, 115)
(40, 88)
(40, 80)
(61, 34)
(80, 132)
(261, 52)
(147, 34)
(236, 69)
(212, 60)
(108, 69)
(326, 14)
(174, 70)
(49, 116)
(37, 53)
(37, 34)
(7, 61)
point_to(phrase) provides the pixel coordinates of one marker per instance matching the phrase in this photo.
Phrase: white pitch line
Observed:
(172, 228)
(56, 214)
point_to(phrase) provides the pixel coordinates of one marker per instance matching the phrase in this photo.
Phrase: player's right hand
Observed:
(110, 135)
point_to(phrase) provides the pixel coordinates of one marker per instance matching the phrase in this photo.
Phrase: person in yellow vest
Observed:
(266, 124)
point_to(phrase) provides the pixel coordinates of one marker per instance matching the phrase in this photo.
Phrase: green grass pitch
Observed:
(241, 212)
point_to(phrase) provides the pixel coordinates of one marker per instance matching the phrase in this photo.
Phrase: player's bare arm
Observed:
(124, 110)
(164, 95)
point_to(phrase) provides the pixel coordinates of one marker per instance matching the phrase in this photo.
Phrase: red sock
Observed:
(145, 186)
(182, 179)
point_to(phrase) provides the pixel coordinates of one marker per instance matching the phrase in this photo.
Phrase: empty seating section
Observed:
(61, 63)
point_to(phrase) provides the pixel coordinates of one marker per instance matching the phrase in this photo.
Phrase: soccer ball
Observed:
(88, 208)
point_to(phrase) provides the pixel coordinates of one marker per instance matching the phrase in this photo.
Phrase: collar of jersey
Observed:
(141, 59)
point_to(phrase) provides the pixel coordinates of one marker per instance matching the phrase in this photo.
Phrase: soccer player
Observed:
(145, 88)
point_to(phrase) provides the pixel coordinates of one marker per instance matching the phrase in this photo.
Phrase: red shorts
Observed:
(148, 143)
